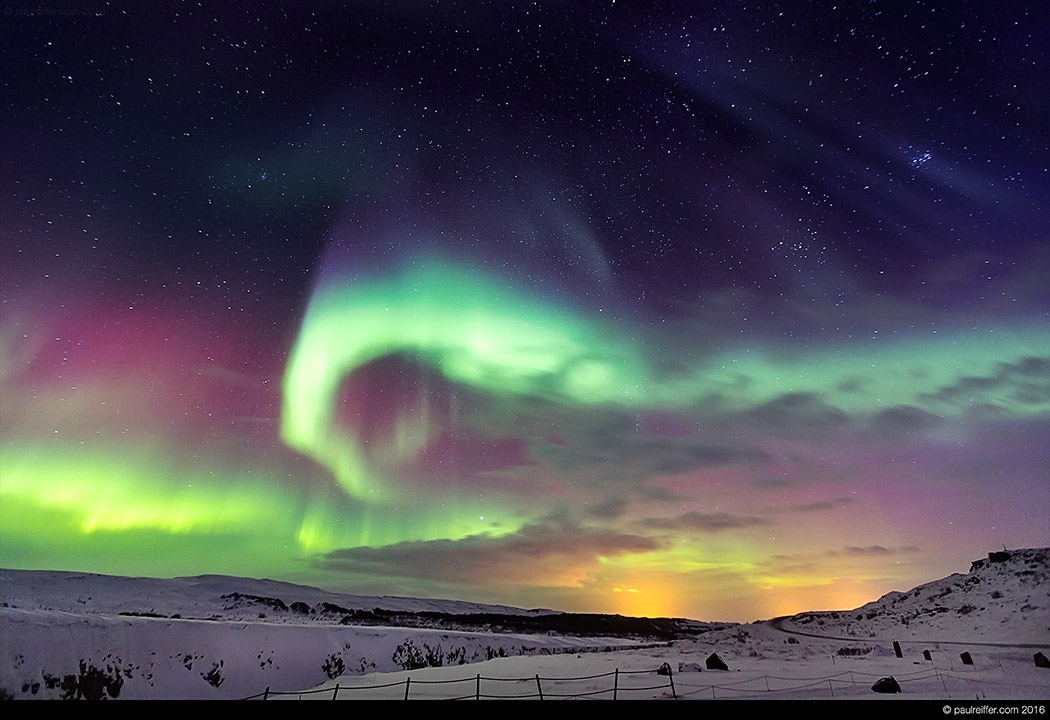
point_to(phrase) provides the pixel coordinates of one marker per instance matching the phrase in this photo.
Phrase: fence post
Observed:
(336, 693)
(766, 678)
(670, 678)
(408, 681)
(538, 686)
(616, 682)
(831, 688)
(266, 692)
(477, 687)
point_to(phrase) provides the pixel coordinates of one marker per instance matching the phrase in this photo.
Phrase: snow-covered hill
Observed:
(1004, 598)
(202, 596)
(76, 634)
(80, 635)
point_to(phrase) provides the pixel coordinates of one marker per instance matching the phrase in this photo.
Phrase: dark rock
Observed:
(886, 685)
(664, 669)
(926, 655)
(333, 666)
(716, 663)
(1002, 556)
(897, 649)
(236, 600)
(214, 676)
(1041, 661)
(966, 658)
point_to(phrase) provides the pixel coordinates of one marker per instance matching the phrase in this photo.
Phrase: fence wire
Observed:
(556, 690)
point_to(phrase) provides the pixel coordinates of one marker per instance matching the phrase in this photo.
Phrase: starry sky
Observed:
(718, 310)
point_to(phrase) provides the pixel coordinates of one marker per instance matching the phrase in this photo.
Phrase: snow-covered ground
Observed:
(72, 634)
(763, 666)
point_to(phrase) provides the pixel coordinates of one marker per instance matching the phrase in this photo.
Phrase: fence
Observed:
(767, 685)
(554, 690)
(558, 688)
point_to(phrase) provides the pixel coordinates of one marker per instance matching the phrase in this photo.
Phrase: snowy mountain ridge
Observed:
(198, 596)
(1004, 598)
(72, 635)
(75, 635)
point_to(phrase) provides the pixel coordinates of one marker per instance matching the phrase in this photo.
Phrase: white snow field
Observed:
(73, 635)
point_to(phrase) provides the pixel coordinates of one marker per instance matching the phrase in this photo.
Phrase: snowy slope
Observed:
(1006, 600)
(51, 654)
(78, 635)
(196, 597)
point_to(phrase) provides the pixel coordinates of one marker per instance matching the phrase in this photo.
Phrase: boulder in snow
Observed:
(716, 663)
(886, 685)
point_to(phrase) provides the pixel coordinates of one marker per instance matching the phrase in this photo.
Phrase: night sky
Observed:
(719, 310)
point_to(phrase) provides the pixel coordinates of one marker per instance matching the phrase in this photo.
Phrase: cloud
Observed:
(658, 493)
(1019, 386)
(638, 455)
(553, 553)
(822, 505)
(820, 563)
(790, 564)
(772, 483)
(609, 509)
(875, 550)
(607, 447)
(851, 385)
(703, 522)
(903, 421)
(795, 414)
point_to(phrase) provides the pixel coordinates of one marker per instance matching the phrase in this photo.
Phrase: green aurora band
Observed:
(125, 508)
(79, 501)
(477, 330)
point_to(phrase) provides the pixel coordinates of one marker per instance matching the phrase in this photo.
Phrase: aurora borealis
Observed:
(652, 308)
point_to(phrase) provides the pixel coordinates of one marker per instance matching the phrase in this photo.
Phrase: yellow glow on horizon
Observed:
(835, 595)
(644, 595)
